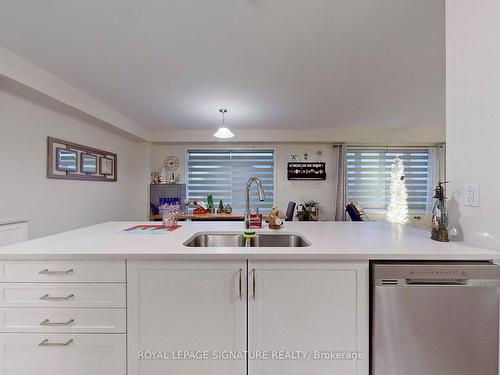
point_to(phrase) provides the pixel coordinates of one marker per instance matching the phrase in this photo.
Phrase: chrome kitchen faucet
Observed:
(262, 196)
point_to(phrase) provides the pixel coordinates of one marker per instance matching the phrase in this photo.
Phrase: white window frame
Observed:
(392, 149)
(221, 148)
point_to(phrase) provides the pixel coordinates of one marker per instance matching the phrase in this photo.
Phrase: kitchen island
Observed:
(99, 300)
(328, 240)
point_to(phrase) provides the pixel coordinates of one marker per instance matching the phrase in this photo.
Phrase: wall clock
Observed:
(171, 163)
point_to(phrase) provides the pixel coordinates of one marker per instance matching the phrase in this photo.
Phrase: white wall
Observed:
(33, 81)
(473, 116)
(367, 134)
(297, 191)
(19, 71)
(53, 206)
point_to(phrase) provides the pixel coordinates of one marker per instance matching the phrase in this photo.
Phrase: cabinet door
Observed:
(176, 306)
(306, 310)
(61, 354)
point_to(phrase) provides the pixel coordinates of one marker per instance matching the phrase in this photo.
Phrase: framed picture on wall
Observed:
(72, 161)
(88, 163)
(66, 160)
(106, 166)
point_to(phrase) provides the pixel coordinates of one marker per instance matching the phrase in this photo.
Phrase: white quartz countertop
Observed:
(329, 240)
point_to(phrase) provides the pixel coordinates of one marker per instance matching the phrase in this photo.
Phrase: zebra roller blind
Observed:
(369, 171)
(224, 174)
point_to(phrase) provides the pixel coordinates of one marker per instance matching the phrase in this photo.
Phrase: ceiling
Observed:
(275, 64)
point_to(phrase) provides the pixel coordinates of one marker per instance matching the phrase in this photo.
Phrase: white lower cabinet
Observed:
(63, 318)
(320, 308)
(60, 354)
(188, 317)
(174, 307)
(311, 311)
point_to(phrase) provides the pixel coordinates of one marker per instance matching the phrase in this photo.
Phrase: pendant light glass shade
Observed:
(223, 132)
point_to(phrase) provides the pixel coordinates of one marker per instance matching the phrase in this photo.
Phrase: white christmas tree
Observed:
(398, 205)
(163, 174)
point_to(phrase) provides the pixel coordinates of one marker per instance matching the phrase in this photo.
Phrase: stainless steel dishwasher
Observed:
(435, 318)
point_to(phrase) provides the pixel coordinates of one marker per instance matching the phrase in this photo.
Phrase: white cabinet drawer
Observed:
(62, 295)
(61, 354)
(69, 320)
(62, 271)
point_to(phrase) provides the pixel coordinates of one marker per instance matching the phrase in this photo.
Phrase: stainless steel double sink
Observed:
(214, 239)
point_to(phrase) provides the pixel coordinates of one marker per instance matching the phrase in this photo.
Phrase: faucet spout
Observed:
(262, 197)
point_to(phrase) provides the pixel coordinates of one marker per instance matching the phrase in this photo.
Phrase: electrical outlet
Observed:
(471, 195)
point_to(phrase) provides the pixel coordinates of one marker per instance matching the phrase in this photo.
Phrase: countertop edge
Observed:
(255, 257)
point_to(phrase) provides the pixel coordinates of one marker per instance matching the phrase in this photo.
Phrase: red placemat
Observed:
(150, 229)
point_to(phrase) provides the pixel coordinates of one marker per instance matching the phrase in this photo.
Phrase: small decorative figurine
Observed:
(220, 209)
(172, 178)
(155, 177)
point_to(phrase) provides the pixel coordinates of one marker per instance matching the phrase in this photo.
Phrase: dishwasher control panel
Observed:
(443, 273)
(439, 272)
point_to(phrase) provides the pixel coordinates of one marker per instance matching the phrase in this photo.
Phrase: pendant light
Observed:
(223, 132)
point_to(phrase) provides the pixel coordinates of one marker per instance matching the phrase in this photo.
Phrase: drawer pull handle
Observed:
(47, 272)
(47, 297)
(47, 322)
(46, 342)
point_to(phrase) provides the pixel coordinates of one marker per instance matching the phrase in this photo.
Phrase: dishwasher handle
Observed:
(438, 282)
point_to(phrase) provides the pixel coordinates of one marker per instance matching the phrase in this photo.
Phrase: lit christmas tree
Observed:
(398, 205)
(163, 175)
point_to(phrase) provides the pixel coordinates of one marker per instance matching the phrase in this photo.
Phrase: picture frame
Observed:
(88, 163)
(106, 166)
(66, 160)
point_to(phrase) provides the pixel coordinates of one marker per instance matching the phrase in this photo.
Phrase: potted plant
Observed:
(307, 211)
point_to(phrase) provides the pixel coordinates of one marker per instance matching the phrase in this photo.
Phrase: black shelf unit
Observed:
(307, 171)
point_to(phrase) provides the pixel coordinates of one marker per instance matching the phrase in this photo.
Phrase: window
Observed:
(369, 171)
(224, 174)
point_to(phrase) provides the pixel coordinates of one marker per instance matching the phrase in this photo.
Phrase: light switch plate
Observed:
(471, 195)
